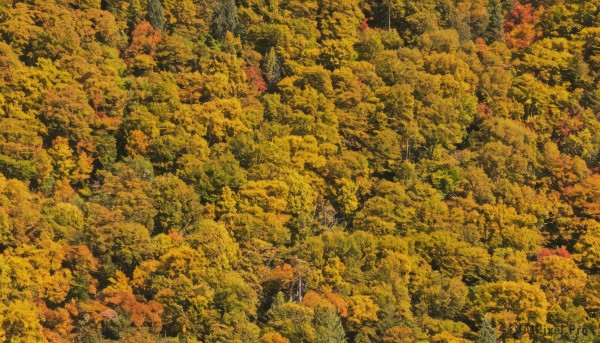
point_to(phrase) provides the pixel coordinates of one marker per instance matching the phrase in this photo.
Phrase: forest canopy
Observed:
(299, 171)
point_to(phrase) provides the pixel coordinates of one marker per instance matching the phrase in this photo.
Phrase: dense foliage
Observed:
(299, 170)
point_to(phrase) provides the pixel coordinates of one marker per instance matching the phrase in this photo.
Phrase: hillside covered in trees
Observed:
(295, 171)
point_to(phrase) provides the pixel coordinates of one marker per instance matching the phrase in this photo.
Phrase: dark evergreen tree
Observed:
(272, 68)
(224, 18)
(495, 29)
(486, 334)
(156, 14)
(329, 326)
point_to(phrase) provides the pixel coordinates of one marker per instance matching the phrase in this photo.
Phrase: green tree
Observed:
(495, 29)
(225, 18)
(272, 69)
(329, 327)
(156, 14)
(486, 334)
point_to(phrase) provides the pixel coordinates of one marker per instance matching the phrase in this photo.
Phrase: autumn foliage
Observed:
(311, 171)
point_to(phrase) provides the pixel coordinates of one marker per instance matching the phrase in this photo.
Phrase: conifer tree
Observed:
(495, 29)
(225, 18)
(329, 327)
(272, 68)
(486, 334)
(156, 14)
